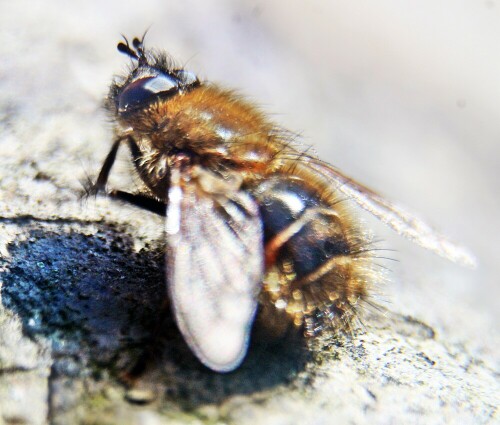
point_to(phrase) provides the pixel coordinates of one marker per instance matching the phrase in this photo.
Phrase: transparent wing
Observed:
(214, 270)
(402, 221)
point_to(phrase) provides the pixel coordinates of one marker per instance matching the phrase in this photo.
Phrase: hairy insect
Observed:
(250, 219)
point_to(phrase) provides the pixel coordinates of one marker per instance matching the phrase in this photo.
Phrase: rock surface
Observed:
(81, 283)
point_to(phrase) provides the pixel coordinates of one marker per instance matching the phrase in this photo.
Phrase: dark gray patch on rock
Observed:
(101, 305)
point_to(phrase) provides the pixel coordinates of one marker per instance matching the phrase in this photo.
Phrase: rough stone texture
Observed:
(404, 99)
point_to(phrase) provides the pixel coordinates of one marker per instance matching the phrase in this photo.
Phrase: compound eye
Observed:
(141, 91)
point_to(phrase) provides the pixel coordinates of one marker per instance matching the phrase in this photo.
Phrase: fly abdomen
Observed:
(315, 270)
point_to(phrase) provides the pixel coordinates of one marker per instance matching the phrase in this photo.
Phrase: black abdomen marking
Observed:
(285, 201)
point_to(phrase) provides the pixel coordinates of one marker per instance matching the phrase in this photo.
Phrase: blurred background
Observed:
(402, 96)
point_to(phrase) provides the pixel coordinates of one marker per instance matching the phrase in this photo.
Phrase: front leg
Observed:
(137, 199)
(102, 179)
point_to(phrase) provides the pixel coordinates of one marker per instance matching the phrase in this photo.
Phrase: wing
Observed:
(403, 222)
(214, 269)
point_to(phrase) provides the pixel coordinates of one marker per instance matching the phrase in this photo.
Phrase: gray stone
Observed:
(82, 283)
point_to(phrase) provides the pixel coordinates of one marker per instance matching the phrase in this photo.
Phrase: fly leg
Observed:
(145, 202)
(102, 179)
